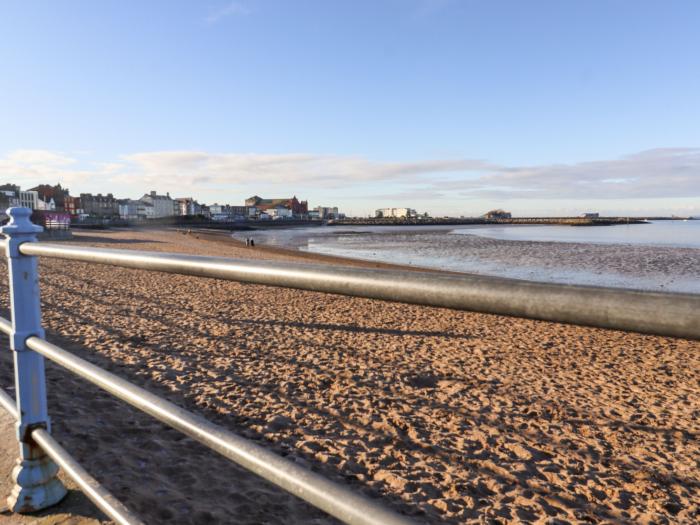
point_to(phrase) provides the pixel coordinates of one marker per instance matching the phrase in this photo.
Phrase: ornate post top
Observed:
(19, 230)
(20, 223)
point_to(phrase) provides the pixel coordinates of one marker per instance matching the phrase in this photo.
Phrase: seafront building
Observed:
(187, 206)
(73, 206)
(398, 213)
(29, 199)
(162, 205)
(88, 206)
(497, 214)
(327, 213)
(128, 209)
(46, 192)
(99, 206)
(297, 207)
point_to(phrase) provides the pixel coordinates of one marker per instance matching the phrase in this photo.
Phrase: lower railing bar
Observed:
(338, 501)
(8, 404)
(100, 496)
(668, 314)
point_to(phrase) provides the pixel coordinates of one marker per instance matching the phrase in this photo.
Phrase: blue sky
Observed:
(452, 107)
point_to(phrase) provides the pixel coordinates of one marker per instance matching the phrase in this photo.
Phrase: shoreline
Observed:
(673, 269)
(319, 257)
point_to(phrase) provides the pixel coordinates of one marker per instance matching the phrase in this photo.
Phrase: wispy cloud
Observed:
(230, 9)
(30, 166)
(657, 173)
(303, 169)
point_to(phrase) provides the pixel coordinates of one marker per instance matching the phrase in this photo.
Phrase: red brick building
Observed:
(298, 207)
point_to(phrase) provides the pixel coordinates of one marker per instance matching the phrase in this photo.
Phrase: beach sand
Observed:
(450, 417)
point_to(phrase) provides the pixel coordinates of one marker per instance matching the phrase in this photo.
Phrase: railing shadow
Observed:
(179, 480)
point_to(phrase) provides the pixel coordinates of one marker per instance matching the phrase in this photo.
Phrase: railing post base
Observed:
(36, 486)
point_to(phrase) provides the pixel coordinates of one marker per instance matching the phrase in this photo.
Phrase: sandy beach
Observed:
(449, 417)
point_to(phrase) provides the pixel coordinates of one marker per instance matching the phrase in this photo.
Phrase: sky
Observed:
(451, 107)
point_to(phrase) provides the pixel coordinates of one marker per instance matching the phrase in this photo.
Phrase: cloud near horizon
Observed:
(655, 173)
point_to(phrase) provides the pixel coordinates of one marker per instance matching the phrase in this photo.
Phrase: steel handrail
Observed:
(92, 488)
(658, 313)
(337, 500)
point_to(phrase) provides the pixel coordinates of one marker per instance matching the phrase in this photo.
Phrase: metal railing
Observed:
(666, 314)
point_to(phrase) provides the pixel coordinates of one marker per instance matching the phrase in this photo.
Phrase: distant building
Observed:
(497, 214)
(398, 213)
(99, 206)
(296, 206)
(128, 209)
(280, 212)
(145, 210)
(188, 206)
(163, 205)
(590, 215)
(8, 199)
(46, 192)
(327, 213)
(49, 205)
(29, 199)
(238, 212)
(72, 205)
(11, 196)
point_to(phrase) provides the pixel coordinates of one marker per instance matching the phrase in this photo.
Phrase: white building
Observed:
(188, 206)
(327, 212)
(128, 209)
(280, 212)
(49, 205)
(29, 199)
(163, 205)
(399, 213)
(145, 210)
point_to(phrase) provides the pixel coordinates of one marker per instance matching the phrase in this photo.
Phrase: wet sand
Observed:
(640, 266)
(451, 417)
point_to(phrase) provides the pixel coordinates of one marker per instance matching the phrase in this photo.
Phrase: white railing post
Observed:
(36, 486)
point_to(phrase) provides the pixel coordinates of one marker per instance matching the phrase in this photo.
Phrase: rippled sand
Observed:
(451, 417)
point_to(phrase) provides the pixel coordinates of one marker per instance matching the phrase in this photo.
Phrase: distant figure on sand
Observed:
(252, 243)
(247, 241)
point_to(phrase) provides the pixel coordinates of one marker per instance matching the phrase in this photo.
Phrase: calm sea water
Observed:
(663, 255)
(659, 233)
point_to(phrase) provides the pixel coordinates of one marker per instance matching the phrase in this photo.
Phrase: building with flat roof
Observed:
(101, 206)
(398, 213)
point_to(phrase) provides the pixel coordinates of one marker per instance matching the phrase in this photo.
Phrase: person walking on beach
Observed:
(247, 241)
(252, 243)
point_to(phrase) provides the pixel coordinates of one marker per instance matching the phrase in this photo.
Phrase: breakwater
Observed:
(450, 221)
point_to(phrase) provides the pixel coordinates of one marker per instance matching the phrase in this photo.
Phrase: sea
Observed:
(658, 255)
